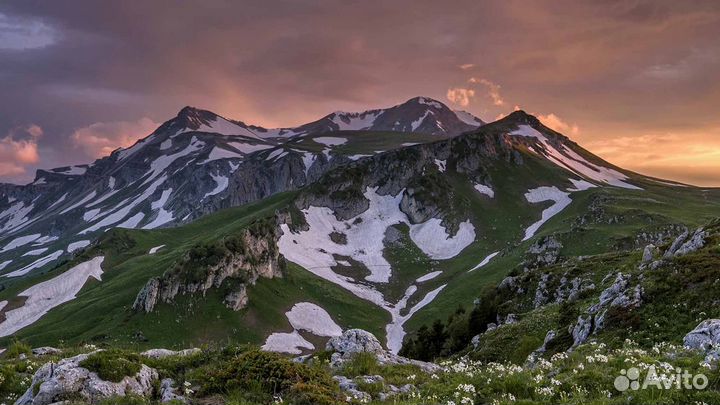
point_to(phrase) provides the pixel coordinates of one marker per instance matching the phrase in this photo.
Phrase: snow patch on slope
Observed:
(485, 261)
(304, 316)
(221, 183)
(561, 200)
(330, 140)
(483, 189)
(47, 295)
(21, 241)
(432, 238)
(314, 250)
(77, 245)
(35, 265)
(569, 159)
(314, 319)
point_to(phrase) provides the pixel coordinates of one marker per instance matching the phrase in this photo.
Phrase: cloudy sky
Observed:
(635, 82)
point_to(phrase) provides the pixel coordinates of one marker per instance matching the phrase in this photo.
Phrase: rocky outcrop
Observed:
(354, 341)
(169, 393)
(238, 299)
(648, 253)
(67, 379)
(704, 336)
(544, 252)
(683, 245)
(549, 336)
(619, 295)
(568, 290)
(351, 389)
(257, 257)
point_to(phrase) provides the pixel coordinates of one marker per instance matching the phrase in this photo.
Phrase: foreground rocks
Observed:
(704, 336)
(354, 341)
(55, 382)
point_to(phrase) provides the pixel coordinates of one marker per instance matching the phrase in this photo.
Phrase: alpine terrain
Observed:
(412, 254)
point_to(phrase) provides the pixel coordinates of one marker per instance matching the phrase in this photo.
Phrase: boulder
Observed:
(581, 330)
(648, 253)
(704, 336)
(237, 300)
(168, 392)
(696, 241)
(55, 382)
(354, 341)
(45, 351)
(350, 388)
(162, 353)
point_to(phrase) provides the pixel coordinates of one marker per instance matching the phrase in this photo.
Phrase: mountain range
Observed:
(386, 220)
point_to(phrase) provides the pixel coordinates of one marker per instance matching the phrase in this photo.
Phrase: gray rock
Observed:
(371, 379)
(475, 341)
(45, 351)
(168, 392)
(542, 296)
(238, 299)
(354, 341)
(163, 353)
(697, 241)
(581, 330)
(66, 379)
(648, 253)
(704, 336)
(676, 244)
(350, 388)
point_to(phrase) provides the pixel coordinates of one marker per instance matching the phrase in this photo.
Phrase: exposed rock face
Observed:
(570, 290)
(541, 293)
(549, 336)
(259, 258)
(648, 253)
(350, 387)
(543, 252)
(704, 336)
(354, 341)
(238, 299)
(168, 392)
(66, 379)
(696, 241)
(683, 245)
(617, 295)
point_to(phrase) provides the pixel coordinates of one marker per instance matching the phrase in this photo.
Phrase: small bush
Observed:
(264, 375)
(361, 364)
(113, 365)
(17, 348)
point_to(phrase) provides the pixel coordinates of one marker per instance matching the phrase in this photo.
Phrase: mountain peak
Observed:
(193, 118)
(426, 101)
(521, 117)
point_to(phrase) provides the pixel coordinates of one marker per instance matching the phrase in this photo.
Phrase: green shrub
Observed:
(361, 364)
(113, 365)
(265, 375)
(16, 348)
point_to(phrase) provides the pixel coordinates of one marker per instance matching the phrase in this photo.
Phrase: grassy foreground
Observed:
(244, 375)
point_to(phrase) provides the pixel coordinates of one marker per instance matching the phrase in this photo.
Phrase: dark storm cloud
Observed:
(105, 71)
